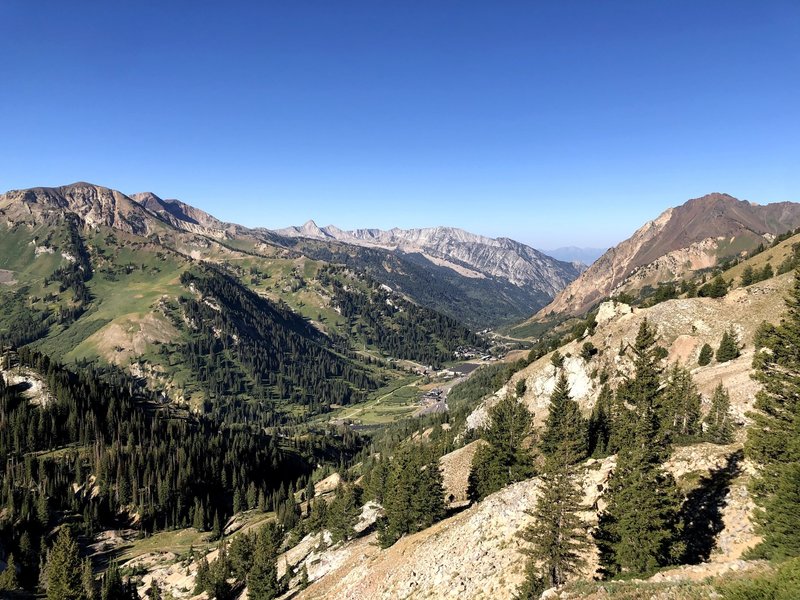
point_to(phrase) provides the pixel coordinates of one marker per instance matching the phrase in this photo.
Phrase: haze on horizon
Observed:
(559, 125)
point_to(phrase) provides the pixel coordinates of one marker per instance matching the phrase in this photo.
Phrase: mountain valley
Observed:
(213, 411)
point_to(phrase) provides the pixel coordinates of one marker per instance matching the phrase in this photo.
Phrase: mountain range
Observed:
(193, 397)
(477, 280)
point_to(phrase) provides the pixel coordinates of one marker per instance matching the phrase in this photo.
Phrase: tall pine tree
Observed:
(507, 457)
(557, 534)
(773, 440)
(718, 423)
(680, 405)
(262, 581)
(640, 529)
(565, 429)
(63, 575)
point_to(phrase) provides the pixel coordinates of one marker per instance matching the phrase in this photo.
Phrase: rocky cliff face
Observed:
(94, 205)
(185, 217)
(466, 253)
(695, 235)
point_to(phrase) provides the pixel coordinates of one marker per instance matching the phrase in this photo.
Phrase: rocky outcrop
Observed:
(475, 554)
(94, 206)
(695, 235)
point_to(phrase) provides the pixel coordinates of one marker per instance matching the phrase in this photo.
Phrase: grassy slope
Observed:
(123, 323)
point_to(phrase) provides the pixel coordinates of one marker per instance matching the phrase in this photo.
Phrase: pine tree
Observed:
(767, 273)
(748, 276)
(773, 440)
(417, 498)
(88, 581)
(621, 421)
(564, 424)
(8, 578)
(113, 588)
(319, 515)
(600, 423)
(639, 531)
(557, 534)
(202, 579)
(64, 569)
(303, 582)
(262, 582)
(728, 347)
(507, 458)
(216, 530)
(343, 513)
(706, 354)
(718, 424)
(154, 592)
(680, 404)
(199, 521)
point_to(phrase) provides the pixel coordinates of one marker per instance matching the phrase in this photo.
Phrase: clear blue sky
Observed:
(555, 123)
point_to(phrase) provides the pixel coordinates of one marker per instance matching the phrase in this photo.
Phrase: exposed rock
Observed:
(466, 253)
(694, 235)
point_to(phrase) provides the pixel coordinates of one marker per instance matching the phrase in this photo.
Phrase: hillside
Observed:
(92, 274)
(696, 235)
(477, 553)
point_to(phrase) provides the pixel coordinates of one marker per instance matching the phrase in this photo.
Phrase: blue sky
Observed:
(555, 123)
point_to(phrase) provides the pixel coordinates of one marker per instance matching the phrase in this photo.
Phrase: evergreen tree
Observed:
(303, 582)
(202, 579)
(767, 272)
(728, 347)
(113, 588)
(680, 405)
(216, 529)
(773, 440)
(199, 521)
(64, 569)
(622, 421)
(154, 592)
(706, 354)
(718, 423)
(716, 288)
(639, 531)
(600, 423)
(8, 578)
(748, 276)
(262, 582)
(564, 425)
(557, 534)
(87, 580)
(318, 518)
(533, 585)
(220, 573)
(417, 497)
(507, 458)
(343, 513)
(375, 485)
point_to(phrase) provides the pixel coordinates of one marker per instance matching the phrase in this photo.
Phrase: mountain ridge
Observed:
(716, 226)
(520, 264)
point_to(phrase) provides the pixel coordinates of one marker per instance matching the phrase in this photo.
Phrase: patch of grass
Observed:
(636, 590)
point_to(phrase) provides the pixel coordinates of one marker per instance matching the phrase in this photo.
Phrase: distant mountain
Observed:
(466, 254)
(575, 254)
(696, 235)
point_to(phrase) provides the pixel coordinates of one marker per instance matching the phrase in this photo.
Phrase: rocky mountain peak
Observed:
(94, 205)
(696, 234)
